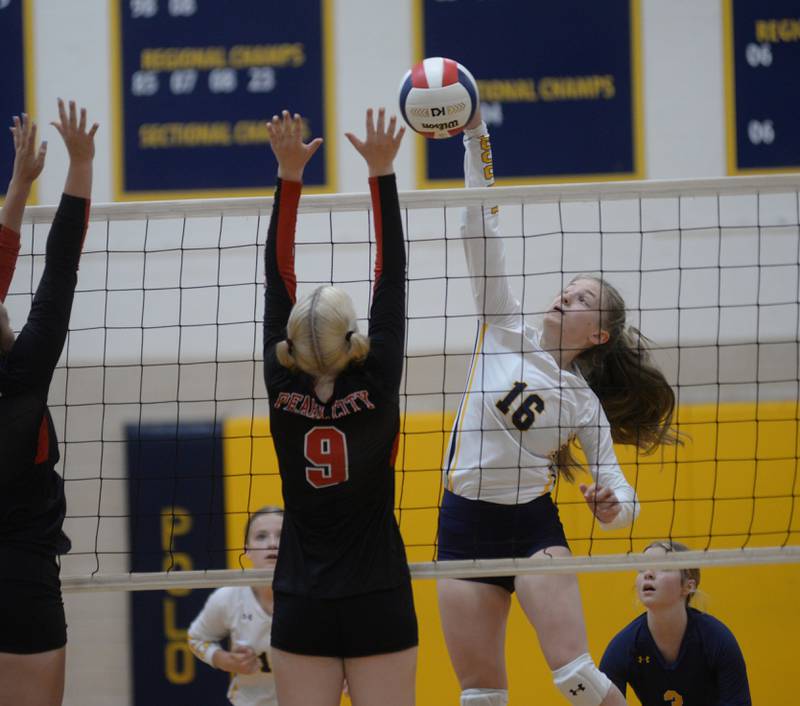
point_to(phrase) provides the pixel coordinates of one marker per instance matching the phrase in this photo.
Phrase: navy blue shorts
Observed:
(31, 610)
(475, 529)
(356, 626)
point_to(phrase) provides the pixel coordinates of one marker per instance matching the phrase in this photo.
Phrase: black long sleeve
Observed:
(29, 367)
(387, 320)
(279, 296)
(32, 501)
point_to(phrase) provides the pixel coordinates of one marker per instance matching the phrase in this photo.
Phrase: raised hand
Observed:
(80, 146)
(381, 144)
(601, 501)
(286, 141)
(78, 141)
(28, 160)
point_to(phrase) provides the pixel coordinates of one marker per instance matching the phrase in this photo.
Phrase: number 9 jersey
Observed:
(336, 458)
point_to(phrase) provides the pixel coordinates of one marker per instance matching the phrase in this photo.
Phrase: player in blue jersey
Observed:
(33, 630)
(581, 374)
(342, 589)
(673, 653)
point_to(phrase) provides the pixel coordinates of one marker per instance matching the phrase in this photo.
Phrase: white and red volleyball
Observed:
(438, 97)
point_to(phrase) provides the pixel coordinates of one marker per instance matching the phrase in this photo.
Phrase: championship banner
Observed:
(175, 524)
(559, 83)
(195, 82)
(762, 63)
(16, 50)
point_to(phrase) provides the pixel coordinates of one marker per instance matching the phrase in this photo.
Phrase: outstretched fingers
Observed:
(71, 125)
(286, 140)
(370, 123)
(382, 121)
(62, 117)
(16, 131)
(358, 144)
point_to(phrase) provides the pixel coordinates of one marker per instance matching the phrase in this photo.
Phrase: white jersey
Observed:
(519, 407)
(236, 613)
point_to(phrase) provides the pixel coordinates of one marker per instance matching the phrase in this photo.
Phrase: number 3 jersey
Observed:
(708, 671)
(336, 458)
(519, 407)
(234, 612)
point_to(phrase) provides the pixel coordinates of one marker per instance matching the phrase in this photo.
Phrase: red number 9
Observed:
(326, 449)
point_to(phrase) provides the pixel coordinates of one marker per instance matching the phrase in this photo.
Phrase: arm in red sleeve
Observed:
(9, 249)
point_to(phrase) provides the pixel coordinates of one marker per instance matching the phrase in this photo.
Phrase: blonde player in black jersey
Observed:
(530, 393)
(243, 614)
(343, 601)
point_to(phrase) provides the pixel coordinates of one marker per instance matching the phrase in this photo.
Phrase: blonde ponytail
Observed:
(322, 338)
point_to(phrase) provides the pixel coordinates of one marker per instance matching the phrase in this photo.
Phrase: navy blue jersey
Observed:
(336, 458)
(709, 671)
(32, 503)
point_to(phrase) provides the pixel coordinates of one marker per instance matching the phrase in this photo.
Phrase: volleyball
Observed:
(438, 97)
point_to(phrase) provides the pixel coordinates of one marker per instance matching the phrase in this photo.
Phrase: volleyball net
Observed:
(160, 407)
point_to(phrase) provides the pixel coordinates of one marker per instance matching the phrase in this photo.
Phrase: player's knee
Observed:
(581, 682)
(484, 697)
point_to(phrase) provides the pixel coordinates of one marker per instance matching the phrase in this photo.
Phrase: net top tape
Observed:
(439, 198)
(452, 569)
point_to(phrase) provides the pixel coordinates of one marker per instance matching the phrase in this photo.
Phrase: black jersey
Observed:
(340, 537)
(32, 503)
(709, 670)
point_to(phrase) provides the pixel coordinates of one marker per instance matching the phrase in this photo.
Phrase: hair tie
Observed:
(290, 344)
(348, 336)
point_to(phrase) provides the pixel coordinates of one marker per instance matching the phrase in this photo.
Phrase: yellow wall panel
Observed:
(736, 482)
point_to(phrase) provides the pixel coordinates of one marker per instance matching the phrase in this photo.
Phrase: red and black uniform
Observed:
(341, 549)
(32, 502)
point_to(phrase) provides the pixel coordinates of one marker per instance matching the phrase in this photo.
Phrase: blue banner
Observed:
(559, 85)
(196, 81)
(176, 523)
(762, 39)
(14, 20)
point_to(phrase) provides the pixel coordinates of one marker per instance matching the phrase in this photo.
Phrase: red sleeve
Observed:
(9, 249)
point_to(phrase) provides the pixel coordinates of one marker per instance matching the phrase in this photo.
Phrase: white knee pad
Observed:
(581, 682)
(484, 697)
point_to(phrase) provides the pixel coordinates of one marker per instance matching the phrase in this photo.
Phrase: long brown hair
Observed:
(636, 397)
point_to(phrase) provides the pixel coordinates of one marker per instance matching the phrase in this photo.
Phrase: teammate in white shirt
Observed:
(244, 615)
(530, 394)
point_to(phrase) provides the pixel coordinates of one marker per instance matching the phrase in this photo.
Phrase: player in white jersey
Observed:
(531, 392)
(243, 614)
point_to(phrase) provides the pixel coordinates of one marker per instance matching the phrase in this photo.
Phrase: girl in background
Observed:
(673, 653)
(243, 614)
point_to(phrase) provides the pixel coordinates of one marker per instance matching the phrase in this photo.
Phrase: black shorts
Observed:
(355, 626)
(31, 610)
(475, 529)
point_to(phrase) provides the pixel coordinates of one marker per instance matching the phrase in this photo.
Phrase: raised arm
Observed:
(480, 235)
(28, 164)
(30, 363)
(387, 318)
(292, 154)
